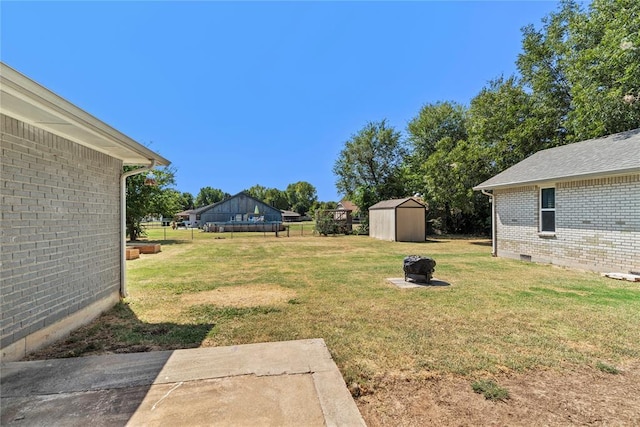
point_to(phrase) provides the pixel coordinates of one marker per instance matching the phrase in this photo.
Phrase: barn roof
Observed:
(394, 203)
(610, 155)
(243, 194)
(199, 210)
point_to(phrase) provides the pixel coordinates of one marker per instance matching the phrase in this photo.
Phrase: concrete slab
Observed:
(407, 284)
(279, 384)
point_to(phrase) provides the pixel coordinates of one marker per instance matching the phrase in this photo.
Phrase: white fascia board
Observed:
(85, 129)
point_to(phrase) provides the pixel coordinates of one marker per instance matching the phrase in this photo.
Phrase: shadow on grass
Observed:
(481, 242)
(120, 331)
(433, 282)
(160, 241)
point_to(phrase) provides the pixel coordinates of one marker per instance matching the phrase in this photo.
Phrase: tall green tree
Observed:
(208, 195)
(186, 201)
(369, 167)
(604, 69)
(301, 196)
(434, 122)
(543, 66)
(276, 198)
(145, 200)
(583, 70)
(450, 174)
(504, 118)
(444, 166)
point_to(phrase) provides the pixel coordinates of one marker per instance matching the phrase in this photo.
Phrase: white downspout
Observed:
(123, 224)
(494, 242)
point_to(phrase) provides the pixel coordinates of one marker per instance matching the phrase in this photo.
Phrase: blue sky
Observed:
(243, 93)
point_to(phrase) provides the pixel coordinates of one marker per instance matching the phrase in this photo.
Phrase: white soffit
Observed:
(29, 102)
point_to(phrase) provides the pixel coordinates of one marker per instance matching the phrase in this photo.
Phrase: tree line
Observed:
(578, 78)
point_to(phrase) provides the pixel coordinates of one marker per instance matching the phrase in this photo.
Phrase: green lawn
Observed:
(497, 315)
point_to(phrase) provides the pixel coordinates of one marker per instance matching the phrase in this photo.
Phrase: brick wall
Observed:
(60, 229)
(597, 224)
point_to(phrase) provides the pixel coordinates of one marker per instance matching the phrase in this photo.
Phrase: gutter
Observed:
(123, 223)
(494, 242)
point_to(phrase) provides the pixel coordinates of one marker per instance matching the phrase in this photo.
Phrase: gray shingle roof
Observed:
(609, 155)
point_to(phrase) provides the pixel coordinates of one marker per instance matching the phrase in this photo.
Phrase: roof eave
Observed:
(593, 175)
(32, 103)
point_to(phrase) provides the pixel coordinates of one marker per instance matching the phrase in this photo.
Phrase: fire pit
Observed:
(419, 268)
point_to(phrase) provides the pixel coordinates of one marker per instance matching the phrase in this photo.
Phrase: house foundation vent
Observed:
(524, 257)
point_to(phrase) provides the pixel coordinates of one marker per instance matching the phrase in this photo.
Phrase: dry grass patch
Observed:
(241, 296)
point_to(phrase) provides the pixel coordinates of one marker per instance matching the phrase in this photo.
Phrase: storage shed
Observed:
(399, 220)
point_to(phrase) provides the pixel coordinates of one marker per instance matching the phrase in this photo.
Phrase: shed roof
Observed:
(610, 155)
(29, 102)
(394, 203)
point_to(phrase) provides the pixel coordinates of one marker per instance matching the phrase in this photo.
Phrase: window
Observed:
(548, 209)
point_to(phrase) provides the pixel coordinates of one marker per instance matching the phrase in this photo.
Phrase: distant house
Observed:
(399, 220)
(347, 205)
(240, 213)
(62, 246)
(185, 215)
(189, 217)
(577, 205)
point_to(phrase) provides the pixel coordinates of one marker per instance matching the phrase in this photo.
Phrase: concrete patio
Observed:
(270, 384)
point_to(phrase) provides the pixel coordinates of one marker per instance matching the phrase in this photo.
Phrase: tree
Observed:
(544, 64)
(144, 200)
(301, 196)
(208, 196)
(276, 198)
(503, 118)
(451, 172)
(604, 69)
(322, 206)
(433, 123)
(257, 191)
(369, 167)
(186, 201)
(583, 70)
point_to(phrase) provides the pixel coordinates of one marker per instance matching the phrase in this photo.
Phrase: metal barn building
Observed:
(240, 213)
(398, 220)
